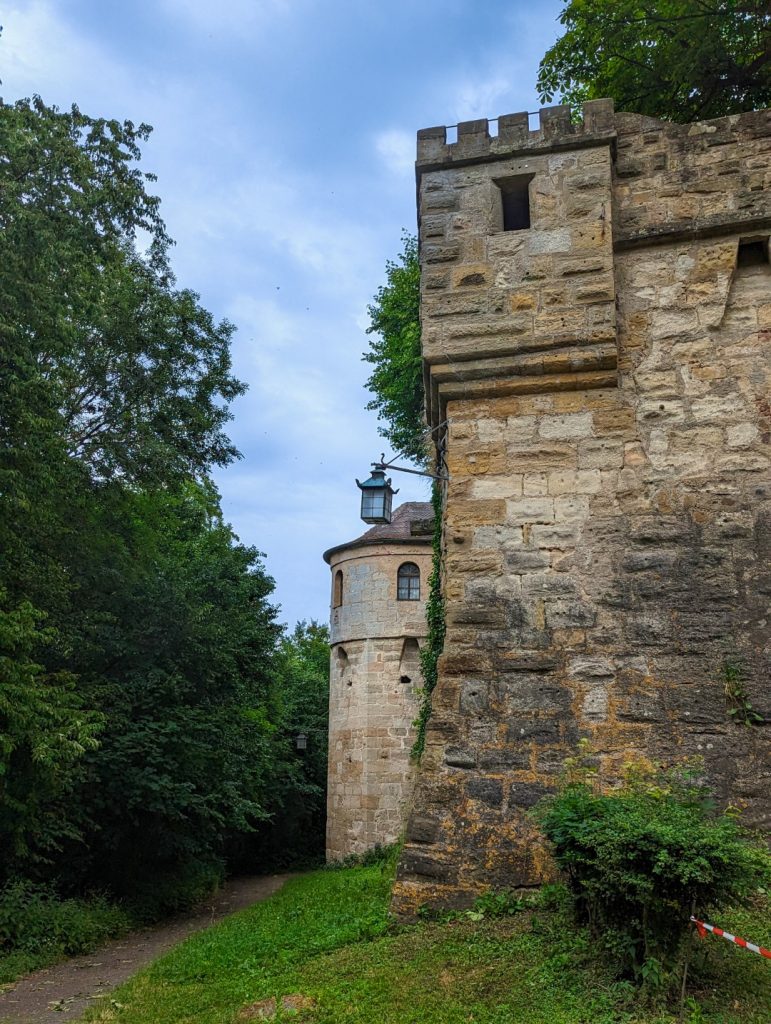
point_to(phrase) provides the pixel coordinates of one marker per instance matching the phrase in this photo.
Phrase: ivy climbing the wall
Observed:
(429, 655)
(738, 704)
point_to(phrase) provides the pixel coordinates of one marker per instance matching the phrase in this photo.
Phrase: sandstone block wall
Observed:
(373, 699)
(608, 522)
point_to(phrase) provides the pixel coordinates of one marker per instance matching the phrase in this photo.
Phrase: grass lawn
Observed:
(325, 936)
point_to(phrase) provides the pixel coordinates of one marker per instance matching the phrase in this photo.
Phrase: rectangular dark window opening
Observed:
(752, 252)
(515, 202)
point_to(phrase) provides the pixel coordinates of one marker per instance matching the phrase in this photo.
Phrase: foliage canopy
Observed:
(396, 380)
(682, 60)
(146, 705)
(135, 372)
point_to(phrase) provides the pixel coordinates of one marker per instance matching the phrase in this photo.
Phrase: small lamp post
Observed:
(301, 741)
(376, 496)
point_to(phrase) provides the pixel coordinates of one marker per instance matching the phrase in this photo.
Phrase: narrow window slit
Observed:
(515, 201)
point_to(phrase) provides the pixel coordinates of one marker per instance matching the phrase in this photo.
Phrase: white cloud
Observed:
(482, 97)
(38, 51)
(397, 150)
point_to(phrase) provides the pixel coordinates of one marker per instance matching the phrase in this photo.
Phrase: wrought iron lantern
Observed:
(376, 496)
(301, 741)
(377, 493)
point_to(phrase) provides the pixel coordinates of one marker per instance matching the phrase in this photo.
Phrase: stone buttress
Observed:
(596, 323)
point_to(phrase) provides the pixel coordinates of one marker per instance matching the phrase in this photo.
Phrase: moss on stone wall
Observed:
(429, 655)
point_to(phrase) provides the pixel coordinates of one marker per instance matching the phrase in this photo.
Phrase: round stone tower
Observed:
(377, 626)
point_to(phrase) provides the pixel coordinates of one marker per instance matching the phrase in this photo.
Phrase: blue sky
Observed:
(284, 145)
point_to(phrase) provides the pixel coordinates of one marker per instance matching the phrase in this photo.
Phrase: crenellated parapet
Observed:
(519, 229)
(479, 140)
(517, 292)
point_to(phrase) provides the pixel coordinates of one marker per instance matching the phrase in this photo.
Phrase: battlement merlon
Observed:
(556, 131)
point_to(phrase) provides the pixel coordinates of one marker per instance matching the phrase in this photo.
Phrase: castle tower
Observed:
(378, 623)
(596, 329)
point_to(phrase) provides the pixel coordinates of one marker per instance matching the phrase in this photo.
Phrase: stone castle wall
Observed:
(606, 375)
(373, 697)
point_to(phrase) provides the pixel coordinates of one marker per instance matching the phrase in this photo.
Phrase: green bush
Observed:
(639, 860)
(38, 927)
(174, 891)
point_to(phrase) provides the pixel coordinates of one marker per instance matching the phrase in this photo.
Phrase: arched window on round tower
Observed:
(337, 589)
(408, 582)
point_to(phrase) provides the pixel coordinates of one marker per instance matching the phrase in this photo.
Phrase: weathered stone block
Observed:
(423, 829)
(540, 730)
(526, 794)
(529, 510)
(428, 866)
(456, 757)
(508, 757)
(525, 560)
(566, 427)
(520, 694)
(486, 791)
(474, 697)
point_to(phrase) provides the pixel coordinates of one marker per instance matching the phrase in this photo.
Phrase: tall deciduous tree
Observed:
(138, 372)
(682, 60)
(394, 352)
(141, 699)
(44, 731)
(298, 790)
(175, 642)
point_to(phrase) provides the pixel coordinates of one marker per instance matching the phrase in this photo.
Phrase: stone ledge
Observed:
(530, 385)
(690, 231)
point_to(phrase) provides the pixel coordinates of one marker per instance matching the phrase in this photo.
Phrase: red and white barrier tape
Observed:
(702, 928)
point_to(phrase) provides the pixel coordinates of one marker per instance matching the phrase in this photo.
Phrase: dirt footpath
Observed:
(63, 992)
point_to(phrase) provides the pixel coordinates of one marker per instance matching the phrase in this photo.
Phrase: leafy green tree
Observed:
(180, 658)
(296, 830)
(44, 731)
(158, 627)
(303, 667)
(137, 371)
(113, 381)
(397, 380)
(682, 60)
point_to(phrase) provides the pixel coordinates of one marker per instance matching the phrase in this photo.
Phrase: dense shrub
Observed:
(37, 926)
(639, 860)
(173, 892)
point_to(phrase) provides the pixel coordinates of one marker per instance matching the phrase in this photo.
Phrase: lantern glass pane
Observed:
(376, 505)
